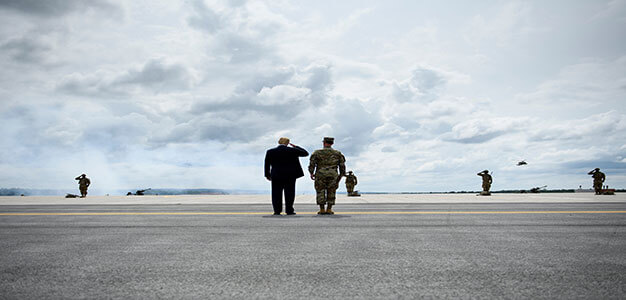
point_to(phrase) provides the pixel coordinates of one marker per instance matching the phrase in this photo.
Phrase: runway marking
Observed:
(313, 213)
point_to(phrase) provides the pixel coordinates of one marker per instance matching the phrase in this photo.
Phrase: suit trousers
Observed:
(289, 187)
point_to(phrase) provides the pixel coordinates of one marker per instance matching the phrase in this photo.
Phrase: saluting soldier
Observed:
(83, 184)
(350, 182)
(323, 169)
(598, 180)
(487, 180)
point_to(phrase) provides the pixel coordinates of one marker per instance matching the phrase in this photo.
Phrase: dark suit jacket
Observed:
(283, 162)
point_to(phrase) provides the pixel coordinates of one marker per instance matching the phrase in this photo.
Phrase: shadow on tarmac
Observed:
(276, 217)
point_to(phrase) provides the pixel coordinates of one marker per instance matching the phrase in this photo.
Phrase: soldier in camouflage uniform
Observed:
(350, 182)
(598, 180)
(323, 169)
(83, 184)
(487, 180)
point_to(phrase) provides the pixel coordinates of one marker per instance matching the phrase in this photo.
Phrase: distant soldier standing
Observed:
(83, 184)
(323, 169)
(350, 182)
(598, 180)
(487, 180)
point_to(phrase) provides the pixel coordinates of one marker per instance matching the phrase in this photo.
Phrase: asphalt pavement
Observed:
(380, 250)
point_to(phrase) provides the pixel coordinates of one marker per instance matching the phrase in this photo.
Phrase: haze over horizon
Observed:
(419, 95)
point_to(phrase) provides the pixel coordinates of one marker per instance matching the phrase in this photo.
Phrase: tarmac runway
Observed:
(550, 250)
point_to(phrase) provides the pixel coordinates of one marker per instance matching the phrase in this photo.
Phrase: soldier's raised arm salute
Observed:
(487, 180)
(323, 167)
(351, 181)
(83, 184)
(598, 180)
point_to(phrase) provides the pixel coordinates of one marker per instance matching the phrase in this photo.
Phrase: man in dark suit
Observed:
(282, 168)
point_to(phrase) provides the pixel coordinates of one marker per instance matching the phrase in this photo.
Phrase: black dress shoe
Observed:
(277, 214)
(291, 214)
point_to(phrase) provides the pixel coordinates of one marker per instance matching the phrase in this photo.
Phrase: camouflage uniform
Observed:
(83, 184)
(350, 182)
(323, 164)
(598, 180)
(487, 180)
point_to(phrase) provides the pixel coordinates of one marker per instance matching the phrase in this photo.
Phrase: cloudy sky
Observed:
(419, 95)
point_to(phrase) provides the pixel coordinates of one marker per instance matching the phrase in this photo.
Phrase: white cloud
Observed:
(57, 8)
(484, 129)
(612, 9)
(154, 76)
(599, 126)
(585, 85)
(500, 27)
(281, 95)
(149, 94)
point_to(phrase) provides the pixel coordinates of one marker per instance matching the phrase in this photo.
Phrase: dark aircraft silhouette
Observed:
(538, 189)
(521, 163)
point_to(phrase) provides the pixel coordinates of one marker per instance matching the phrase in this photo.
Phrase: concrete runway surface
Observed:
(550, 250)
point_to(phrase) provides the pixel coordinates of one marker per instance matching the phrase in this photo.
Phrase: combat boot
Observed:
(322, 210)
(329, 211)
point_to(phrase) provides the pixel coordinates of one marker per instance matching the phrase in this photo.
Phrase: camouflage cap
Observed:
(283, 141)
(486, 171)
(597, 169)
(349, 172)
(329, 140)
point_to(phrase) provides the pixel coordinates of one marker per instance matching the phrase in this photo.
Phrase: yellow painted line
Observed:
(486, 212)
(133, 213)
(312, 213)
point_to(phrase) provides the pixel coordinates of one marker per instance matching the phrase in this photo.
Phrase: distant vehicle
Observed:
(538, 189)
(138, 192)
(522, 163)
(141, 192)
